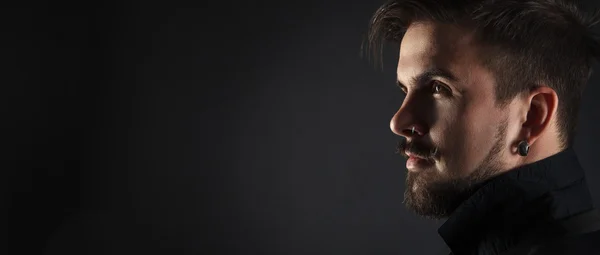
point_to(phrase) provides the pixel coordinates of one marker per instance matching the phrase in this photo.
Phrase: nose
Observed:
(408, 121)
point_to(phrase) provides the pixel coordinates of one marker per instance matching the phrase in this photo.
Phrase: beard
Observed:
(436, 196)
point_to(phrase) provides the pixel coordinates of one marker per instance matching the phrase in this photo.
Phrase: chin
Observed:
(435, 196)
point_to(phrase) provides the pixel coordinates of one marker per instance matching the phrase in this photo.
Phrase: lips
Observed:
(417, 155)
(415, 163)
(412, 155)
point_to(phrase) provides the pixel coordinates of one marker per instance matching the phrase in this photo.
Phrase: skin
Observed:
(475, 137)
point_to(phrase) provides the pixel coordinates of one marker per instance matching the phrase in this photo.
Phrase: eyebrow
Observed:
(429, 74)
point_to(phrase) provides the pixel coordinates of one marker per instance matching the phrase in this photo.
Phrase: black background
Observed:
(219, 128)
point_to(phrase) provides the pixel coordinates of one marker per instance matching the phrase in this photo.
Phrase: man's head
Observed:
(479, 77)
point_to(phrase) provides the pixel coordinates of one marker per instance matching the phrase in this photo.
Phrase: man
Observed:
(492, 91)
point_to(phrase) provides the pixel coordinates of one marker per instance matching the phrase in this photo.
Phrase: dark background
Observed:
(230, 128)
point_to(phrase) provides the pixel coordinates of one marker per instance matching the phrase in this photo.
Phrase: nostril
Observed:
(413, 130)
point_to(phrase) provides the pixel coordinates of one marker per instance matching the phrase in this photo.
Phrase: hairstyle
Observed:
(528, 43)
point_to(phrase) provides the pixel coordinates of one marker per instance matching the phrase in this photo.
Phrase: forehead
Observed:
(433, 45)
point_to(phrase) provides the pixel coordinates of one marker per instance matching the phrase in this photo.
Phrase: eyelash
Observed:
(433, 84)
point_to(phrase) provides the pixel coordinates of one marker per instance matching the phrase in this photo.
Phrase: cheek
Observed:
(480, 130)
(468, 135)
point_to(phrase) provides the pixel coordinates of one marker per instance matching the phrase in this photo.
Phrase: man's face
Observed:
(459, 136)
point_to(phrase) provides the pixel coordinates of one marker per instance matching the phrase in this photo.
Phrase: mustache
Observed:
(417, 149)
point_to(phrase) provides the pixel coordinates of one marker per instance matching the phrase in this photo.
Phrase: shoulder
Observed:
(588, 243)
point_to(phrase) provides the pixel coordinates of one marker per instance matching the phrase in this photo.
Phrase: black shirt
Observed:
(515, 206)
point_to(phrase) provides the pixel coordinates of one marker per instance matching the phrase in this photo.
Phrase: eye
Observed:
(439, 88)
(402, 88)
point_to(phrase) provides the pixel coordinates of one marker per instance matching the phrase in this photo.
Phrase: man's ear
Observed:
(541, 105)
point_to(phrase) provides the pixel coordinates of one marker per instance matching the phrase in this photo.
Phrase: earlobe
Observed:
(523, 148)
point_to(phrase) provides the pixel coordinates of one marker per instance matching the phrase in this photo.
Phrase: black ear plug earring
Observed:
(523, 148)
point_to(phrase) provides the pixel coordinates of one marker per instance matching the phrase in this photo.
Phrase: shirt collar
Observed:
(506, 195)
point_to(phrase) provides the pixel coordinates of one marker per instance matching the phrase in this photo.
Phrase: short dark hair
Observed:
(531, 42)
